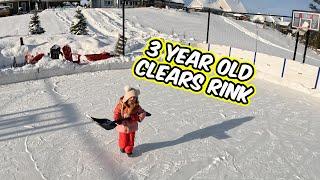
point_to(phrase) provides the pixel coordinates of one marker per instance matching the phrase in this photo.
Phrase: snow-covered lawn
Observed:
(45, 133)
(141, 23)
(226, 31)
(104, 29)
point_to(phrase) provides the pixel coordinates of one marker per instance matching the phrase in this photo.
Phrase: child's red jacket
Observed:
(127, 126)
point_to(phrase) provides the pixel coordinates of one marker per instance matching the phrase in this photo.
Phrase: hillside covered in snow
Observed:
(105, 25)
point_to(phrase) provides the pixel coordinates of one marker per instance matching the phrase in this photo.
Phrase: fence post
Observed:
(284, 66)
(21, 41)
(208, 47)
(123, 28)
(296, 46)
(306, 46)
(14, 64)
(208, 26)
(316, 84)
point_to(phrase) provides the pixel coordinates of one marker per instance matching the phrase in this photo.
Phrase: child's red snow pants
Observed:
(126, 141)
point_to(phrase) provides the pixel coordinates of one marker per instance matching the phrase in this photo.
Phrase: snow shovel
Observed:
(109, 124)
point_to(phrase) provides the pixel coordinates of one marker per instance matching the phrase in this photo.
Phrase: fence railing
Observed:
(271, 66)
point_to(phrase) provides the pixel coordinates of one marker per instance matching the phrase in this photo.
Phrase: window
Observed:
(11, 5)
(108, 3)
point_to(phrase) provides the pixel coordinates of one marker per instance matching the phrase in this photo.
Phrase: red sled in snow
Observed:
(30, 59)
(98, 57)
(66, 50)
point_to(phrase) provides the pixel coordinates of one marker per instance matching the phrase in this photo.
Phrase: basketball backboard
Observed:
(302, 18)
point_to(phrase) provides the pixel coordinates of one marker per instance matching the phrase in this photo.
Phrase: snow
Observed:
(270, 19)
(178, 1)
(223, 31)
(45, 133)
(283, 23)
(225, 5)
(105, 25)
(258, 18)
(103, 34)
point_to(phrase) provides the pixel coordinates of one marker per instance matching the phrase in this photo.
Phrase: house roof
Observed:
(178, 1)
(284, 23)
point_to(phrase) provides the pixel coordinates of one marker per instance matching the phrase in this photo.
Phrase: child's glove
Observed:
(118, 122)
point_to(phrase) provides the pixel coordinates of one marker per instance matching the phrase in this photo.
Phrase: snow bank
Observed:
(11, 51)
(46, 68)
(242, 54)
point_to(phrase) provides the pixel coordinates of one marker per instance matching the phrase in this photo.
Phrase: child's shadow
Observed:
(218, 131)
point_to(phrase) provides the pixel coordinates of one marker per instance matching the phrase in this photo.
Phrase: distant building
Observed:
(23, 6)
(284, 26)
(258, 19)
(177, 4)
(219, 5)
(240, 17)
(115, 3)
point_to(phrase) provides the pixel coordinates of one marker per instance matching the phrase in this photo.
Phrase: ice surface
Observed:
(45, 133)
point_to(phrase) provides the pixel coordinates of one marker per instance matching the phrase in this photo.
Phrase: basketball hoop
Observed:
(304, 22)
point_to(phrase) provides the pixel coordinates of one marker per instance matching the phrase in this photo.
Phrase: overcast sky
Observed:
(280, 7)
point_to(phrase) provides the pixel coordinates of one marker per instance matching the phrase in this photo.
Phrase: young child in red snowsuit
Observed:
(127, 114)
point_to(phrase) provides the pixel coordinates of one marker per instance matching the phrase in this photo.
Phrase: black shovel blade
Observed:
(105, 123)
(108, 126)
(148, 114)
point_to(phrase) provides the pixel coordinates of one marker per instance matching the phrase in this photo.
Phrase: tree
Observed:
(314, 6)
(79, 24)
(34, 25)
(314, 35)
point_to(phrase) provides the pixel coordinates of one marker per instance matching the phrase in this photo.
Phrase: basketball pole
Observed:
(306, 47)
(295, 48)
(123, 28)
(208, 26)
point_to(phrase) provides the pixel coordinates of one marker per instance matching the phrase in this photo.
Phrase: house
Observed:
(137, 3)
(23, 6)
(240, 17)
(258, 19)
(177, 4)
(115, 3)
(270, 21)
(284, 26)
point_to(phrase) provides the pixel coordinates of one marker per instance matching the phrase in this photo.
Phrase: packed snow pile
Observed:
(11, 50)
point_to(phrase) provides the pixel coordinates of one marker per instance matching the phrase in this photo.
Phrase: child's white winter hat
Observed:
(130, 92)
